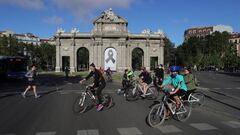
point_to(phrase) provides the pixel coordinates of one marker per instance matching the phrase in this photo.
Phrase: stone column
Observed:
(129, 56)
(58, 55)
(161, 53)
(146, 56)
(91, 52)
(119, 56)
(73, 56)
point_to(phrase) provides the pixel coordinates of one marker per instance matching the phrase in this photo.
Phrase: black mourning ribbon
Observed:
(110, 56)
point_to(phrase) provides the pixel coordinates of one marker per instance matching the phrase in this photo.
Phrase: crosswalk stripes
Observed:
(129, 131)
(88, 132)
(46, 133)
(203, 126)
(165, 129)
(232, 124)
(169, 129)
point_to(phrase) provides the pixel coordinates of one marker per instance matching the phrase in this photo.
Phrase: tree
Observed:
(213, 50)
(169, 52)
(42, 55)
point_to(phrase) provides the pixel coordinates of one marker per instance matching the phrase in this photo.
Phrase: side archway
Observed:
(137, 58)
(82, 59)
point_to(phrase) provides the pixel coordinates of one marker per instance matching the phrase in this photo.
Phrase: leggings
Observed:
(99, 92)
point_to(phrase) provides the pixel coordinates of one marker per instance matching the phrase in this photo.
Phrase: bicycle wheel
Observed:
(153, 93)
(131, 94)
(197, 99)
(78, 107)
(107, 101)
(157, 115)
(184, 111)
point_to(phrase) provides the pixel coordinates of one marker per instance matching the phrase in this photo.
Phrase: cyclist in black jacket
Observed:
(99, 83)
(159, 74)
(145, 80)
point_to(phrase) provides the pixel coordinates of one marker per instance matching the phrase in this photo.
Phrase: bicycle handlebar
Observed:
(164, 91)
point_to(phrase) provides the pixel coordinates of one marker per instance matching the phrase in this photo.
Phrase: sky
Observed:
(43, 17)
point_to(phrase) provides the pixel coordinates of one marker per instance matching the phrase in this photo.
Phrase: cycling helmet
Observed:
(130, 74)
(174, 68)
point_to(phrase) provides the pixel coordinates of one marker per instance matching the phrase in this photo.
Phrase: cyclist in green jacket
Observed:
(189, 80)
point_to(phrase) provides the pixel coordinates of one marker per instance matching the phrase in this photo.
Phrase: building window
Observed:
(235, 41)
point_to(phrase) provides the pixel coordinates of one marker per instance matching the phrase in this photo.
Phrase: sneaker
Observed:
(38, 96)
(143, 95)
(23, 95)
(99, 107)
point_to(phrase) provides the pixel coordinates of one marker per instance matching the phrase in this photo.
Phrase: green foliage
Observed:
(213, 50)
(169, 52)
(42, 55)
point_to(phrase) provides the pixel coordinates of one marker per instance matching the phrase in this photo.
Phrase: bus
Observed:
(13, 67)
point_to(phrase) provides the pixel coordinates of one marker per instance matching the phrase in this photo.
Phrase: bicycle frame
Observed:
(166, 100)
(192, 99)
(85, 93)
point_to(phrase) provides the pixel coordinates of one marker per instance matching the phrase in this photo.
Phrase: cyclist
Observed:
(178, 83)
(108, 73)
(98, 82)
(159, 75)
(189, 80)
(126, 81)
(145, 80)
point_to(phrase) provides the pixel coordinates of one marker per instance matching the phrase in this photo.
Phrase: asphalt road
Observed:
(52, 113)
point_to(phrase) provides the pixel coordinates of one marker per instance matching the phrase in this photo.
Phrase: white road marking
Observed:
(232, 124)
(46, 133)
(217, 88)
(79, 92)
(203, 126)
(7, 134)
(88, 132)
(129, 131)
(169, 129)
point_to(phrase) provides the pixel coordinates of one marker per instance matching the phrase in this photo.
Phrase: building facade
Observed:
(235, 38)
(27, 38)
(108, 45)
(205, 31)
(50, 41)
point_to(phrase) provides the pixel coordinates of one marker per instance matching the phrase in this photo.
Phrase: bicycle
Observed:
(108, 77)
(135, 91)
(158, 112)
(80, 105)
(196, 98)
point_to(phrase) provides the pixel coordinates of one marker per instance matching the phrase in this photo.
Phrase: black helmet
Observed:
(92, 65)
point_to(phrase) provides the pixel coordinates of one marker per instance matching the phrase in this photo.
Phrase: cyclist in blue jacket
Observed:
(178, 84)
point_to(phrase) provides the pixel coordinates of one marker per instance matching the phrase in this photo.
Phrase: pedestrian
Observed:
(31, 76)
(66, 71)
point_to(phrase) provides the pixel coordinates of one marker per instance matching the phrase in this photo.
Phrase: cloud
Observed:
(84, 9)
(53, 20)
(181, 21)
(28, 4)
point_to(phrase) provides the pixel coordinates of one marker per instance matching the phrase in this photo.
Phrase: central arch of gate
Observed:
(109, 45)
